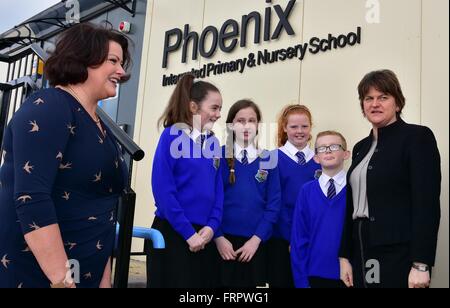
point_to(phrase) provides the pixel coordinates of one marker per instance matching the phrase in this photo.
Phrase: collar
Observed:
(340, 178)
(252, 152)
(290, 149)
(383, 131)
(194, 133)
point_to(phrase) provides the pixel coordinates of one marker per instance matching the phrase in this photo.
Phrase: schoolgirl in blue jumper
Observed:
(319, 218)
(251, 203)
(187, 187)
(297, 167)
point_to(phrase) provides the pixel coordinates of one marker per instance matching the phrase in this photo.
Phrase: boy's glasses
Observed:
(331, 148)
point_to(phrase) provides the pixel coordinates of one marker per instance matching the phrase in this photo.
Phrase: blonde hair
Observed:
(332, 133)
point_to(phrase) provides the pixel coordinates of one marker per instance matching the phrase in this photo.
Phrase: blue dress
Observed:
(58, 168)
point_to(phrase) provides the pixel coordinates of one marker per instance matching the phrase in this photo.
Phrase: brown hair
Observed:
(186, 91)
(282, 137)
(384, 81)
(81, 47)
(332, 133)
(238, 106)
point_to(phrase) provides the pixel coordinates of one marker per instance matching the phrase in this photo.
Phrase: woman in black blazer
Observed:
(394, 185)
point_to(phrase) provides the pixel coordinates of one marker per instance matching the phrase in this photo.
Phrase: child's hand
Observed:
(225, 249)
(346, 272)
(207, 233)
(249, 249)
(196, 243)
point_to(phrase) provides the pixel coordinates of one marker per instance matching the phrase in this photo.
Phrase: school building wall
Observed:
(411, 38)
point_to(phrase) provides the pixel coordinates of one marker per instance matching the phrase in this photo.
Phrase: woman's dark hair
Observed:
(238, 106)
(186, 91)
(81, 47)
(384, 81)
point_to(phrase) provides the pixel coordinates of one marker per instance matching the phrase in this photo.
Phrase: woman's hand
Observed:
(196, 243)
(418, 279)
(346, 272)
(249, 249)
(225, 249)
(206, 233)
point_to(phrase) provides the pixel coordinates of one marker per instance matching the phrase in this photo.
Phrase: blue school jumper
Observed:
(251, 206)
(316, 234)
(186, 182)
(292, 178)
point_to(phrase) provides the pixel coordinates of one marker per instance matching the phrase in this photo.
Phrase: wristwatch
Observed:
(421, 267)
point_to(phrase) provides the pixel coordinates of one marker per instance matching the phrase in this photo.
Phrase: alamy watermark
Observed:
(373, 14)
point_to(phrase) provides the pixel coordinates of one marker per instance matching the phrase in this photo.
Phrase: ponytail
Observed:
(186, 91)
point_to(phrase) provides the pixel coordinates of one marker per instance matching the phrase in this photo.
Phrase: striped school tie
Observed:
(244, 160)
(301, 158)
(331, 190)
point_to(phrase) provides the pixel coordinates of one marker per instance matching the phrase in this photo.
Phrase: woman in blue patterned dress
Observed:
(62, 170)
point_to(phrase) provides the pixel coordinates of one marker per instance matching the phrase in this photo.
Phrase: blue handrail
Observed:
(150, 234)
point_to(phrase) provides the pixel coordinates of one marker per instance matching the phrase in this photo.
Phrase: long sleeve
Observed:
(425, 180)
(273, 204)
(165, 190)
(215, 218)
(39, 142)
(300, 242)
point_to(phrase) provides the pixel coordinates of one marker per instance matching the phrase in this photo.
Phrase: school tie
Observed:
(301, 158)
(244, 160)
(200, 140)
(331, 190)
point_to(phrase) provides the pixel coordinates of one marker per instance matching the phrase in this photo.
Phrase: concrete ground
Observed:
(137, 277)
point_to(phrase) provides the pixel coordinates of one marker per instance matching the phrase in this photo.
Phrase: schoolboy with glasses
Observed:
(319, 217)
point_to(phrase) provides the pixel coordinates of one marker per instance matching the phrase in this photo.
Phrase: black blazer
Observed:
(403, 191)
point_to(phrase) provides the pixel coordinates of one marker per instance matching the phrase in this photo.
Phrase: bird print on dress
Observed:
(34, 127)
(71, 129)
(39, 101)
(28, 167)
(24, 198)
(5, 261)
(71, 245)
(65, 166)
(87, 276)
(59, 156)
(100, 140)
(97, 177)
(99, 246)
(92, 218)
(34, 226)
(66, 196)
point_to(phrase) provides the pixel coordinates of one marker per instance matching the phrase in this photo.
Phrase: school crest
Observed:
(261, 176)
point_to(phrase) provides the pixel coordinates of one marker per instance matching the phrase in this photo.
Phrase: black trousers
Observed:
(386, 266)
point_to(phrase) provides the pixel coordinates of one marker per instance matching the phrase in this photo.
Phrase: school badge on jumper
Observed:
(261, 176)
(216, 163)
